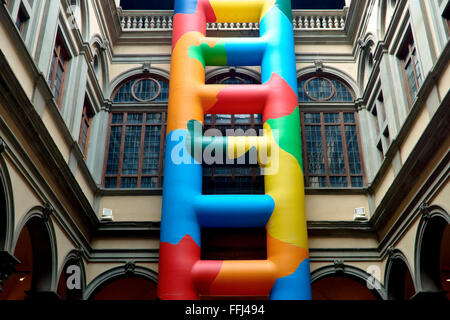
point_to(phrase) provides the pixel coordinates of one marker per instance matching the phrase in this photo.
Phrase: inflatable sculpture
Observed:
(285, 275)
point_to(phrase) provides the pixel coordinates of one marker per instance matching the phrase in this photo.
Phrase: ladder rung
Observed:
(234, 211)
(234, 278)
(234, 99)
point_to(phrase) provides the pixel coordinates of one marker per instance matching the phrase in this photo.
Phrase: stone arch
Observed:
(129, 270)
(99, 49)
(340, 270)
(74, 257)
(433, 226)
(6, 207)
(366, 60)
(398, 279)
(35, 247)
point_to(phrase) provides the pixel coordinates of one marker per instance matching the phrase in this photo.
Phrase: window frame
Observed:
(139, 175)
(341, 125)
(59, 51)
(407, 56)
(86, 119)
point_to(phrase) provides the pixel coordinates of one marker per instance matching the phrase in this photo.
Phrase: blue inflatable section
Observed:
(280, 55)
(182, 185)
(234, 211)
(297, 286)
(187, 7)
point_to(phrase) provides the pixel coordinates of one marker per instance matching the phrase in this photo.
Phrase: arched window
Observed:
(331, 143)
(233, 178)
(145, 89)
(319, 88)
(135, 144)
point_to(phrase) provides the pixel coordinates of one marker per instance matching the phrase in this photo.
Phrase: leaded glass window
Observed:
(135, 150)
(332, 150)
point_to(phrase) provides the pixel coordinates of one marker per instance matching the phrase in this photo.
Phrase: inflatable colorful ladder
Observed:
(285, 274)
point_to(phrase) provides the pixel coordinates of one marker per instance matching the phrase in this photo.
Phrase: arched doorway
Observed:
(129, 282)
(340, 288)
(342, 282)
(399, 282)
(34, 274)
(127, 288)
(432, 254)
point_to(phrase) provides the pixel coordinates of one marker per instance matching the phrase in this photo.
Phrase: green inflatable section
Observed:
(290, 141)
(215, 56)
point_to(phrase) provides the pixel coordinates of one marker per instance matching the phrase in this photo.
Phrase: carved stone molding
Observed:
(107, 105)
(339, 266)
(318, 64)
(425, 210)
(146, 67)
(47, 211)
(390, 252)
(130, 267)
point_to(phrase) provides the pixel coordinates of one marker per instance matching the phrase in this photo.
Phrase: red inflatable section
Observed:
(184, 23)
(246, 99)
(188, 252)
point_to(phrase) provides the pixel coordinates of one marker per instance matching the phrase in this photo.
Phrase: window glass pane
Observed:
(146, 89)
(357, 182)
(112, 166)
(242, 118)
(335, 149)
(131, 150)
(151, 150)
(353, 150)
(302, 97)
(314, 149)
(258, 119)
(349, 117)
(223, 119)
(110, 182)
(243, 171)
(331, 118)
(319, 89)
(124, 93)
(149, 182)
(222, 171)
(311, 118)
(134, 118)
(154, 118)
(411, 78)
(338, 182)
(208, 119)
(117, 118)
(342, 94)
(128, 183)
(164, 95)
(58, 81)
(317, 182)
